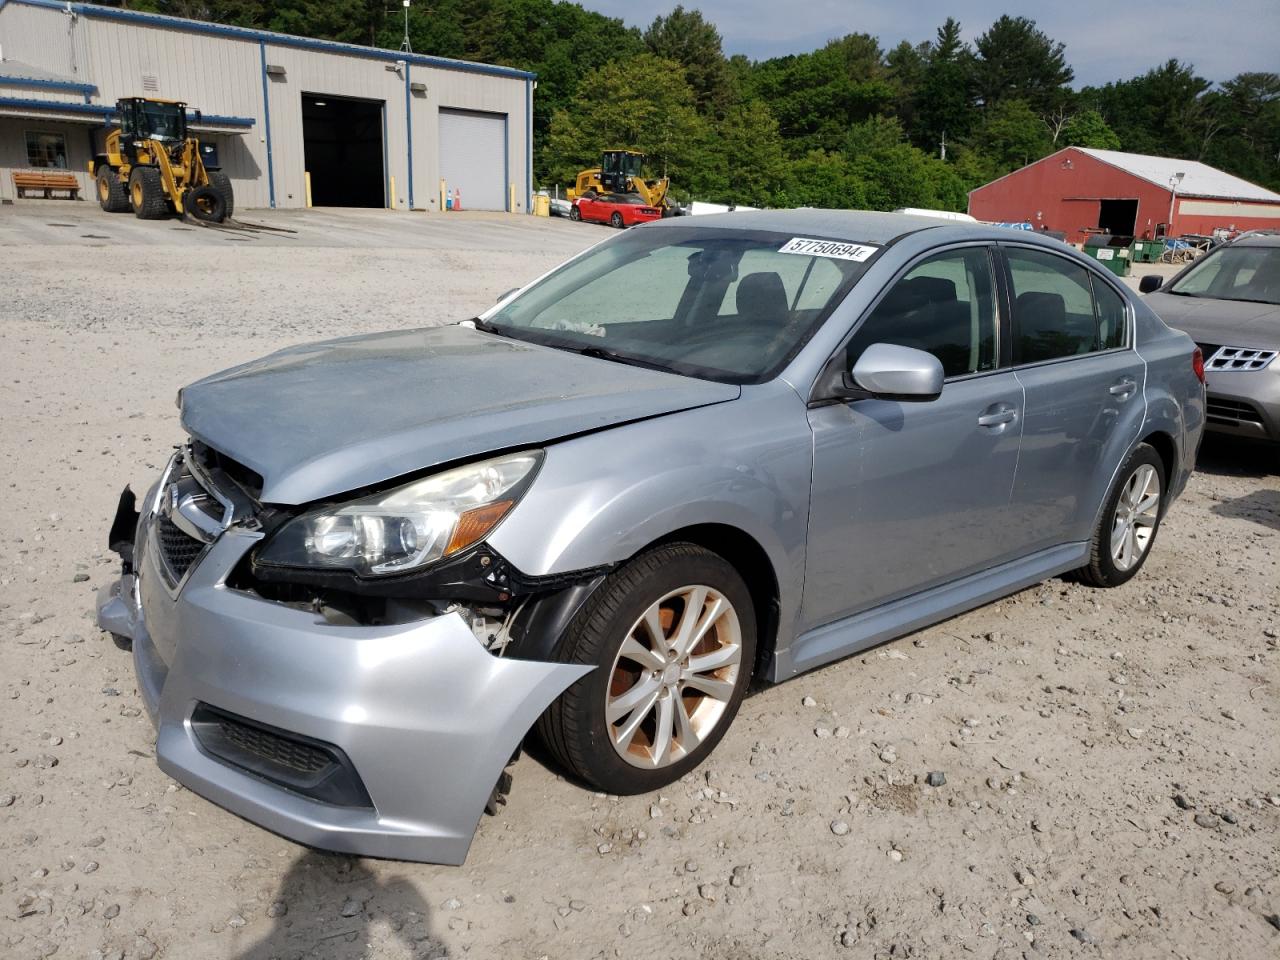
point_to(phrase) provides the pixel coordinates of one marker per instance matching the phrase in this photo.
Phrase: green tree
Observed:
(1011, 136)
(691, 41)
(642, 103)
(747, 164)
(1156, 113)
(945, 108)
(1088, 129)
(1016, 61)
(817, 96)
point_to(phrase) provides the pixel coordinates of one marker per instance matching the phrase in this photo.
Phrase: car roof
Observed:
(1257, 240)
(856, 226)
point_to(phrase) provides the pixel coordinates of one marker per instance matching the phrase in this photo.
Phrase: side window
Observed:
(1112, 328)
(944, 306)
(1052, 307)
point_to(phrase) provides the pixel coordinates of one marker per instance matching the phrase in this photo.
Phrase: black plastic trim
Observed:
(336, 783)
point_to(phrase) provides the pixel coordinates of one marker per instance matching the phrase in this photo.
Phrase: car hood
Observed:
(1223, 322)
(326, 418)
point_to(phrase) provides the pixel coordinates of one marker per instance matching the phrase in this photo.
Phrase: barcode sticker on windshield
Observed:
(857, 252)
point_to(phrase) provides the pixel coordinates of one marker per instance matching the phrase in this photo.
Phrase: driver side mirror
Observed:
(891, 372)
(887, 371)
(1150, 283)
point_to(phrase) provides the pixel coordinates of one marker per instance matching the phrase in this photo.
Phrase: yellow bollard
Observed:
(391, 200)
(308, 176)
(512, 207)
(443, 192)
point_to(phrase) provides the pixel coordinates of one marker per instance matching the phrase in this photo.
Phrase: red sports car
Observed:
(618, 209)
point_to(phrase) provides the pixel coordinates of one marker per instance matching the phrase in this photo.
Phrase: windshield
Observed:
(727, 305)
(1234, 273)
(160, 121)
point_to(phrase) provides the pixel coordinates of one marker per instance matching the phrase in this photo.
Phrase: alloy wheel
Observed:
(1136, 516)
(673, 677)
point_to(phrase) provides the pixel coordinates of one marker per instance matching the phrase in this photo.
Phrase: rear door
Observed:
(1072, 351)
(911, 495)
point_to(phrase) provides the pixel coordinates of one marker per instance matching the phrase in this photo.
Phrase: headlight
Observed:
(406, 528)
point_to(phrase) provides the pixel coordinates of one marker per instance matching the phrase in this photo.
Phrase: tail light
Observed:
(1197, 363)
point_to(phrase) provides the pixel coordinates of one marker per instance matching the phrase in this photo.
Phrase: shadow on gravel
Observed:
(333, 907)
(1261, 507)
(1232, 457)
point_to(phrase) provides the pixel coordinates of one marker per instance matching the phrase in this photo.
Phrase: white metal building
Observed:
(372, 127)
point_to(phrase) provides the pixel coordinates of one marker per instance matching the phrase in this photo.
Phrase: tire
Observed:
(576, 729)
(146, 194)
(1142, 475)
(112, 196)
(205, 203)
(222, 183)
(575, 213)
(616, 220)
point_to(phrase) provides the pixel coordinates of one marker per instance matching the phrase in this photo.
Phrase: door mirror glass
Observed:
(1150, 283)
(893, 372)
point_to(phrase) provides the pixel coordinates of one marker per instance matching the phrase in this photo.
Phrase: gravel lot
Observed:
(1112, 769)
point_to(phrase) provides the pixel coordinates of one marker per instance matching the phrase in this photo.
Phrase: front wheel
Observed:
(575, 213)
(616, 220)
(673, 638)
(146, 194)
(1129, 522)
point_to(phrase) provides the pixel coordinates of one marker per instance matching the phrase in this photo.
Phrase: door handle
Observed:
(1122, 388)
(997, 418)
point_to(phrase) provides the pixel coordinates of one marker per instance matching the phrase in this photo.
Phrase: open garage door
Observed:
(473, 157)
(342, 145)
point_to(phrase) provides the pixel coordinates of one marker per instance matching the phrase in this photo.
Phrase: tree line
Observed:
(851, 124)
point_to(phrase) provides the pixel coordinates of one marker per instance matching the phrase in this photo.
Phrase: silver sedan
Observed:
(702, 452)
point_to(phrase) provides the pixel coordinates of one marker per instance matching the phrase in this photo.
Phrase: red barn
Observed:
(1126, 194)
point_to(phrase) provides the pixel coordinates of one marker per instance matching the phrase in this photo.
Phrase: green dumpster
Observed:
(1110, 251)
(1147, 251)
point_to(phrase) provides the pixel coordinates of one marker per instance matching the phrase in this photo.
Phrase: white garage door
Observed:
(473, 157)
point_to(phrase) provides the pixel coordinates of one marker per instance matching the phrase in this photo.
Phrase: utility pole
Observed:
(405, 46)
(944, 145)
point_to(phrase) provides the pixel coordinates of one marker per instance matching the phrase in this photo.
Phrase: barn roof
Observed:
(1200, 180)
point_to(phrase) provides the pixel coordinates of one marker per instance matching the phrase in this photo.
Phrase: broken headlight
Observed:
(407, 528)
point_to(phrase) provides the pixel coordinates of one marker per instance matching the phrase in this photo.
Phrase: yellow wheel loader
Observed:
(619, 172)
(152, 166)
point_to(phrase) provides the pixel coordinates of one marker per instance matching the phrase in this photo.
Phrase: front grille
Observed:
(178, 548)
(309, 767)
(1231, 412)
(1238, 359)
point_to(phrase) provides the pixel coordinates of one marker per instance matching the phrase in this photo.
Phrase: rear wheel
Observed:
(111, 193)
(616, 220)
(673, 637)
(1130, 520)
(222, 183)
(146, 194)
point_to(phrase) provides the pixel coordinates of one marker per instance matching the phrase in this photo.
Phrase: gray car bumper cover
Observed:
(427, 716)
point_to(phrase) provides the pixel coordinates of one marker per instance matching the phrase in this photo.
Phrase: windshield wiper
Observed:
(603, 353)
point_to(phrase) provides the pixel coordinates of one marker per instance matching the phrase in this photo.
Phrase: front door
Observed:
(911, 495)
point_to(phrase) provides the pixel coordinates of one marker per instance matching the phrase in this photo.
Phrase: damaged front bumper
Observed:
(382, 741)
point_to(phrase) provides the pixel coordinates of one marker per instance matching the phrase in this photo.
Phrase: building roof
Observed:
(1200, 180)
(265, 36)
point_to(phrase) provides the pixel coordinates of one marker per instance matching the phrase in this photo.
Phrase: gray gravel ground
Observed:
(1106, 763)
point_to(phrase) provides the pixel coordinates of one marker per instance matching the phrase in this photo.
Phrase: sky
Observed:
(1105, 39)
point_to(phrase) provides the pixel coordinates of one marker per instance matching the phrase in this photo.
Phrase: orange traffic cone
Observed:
(457, 199)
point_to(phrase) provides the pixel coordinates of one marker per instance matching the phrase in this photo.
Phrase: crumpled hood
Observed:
(326, 418)
(1233, 323)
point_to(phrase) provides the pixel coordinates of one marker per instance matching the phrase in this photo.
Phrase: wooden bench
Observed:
(48, 181)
